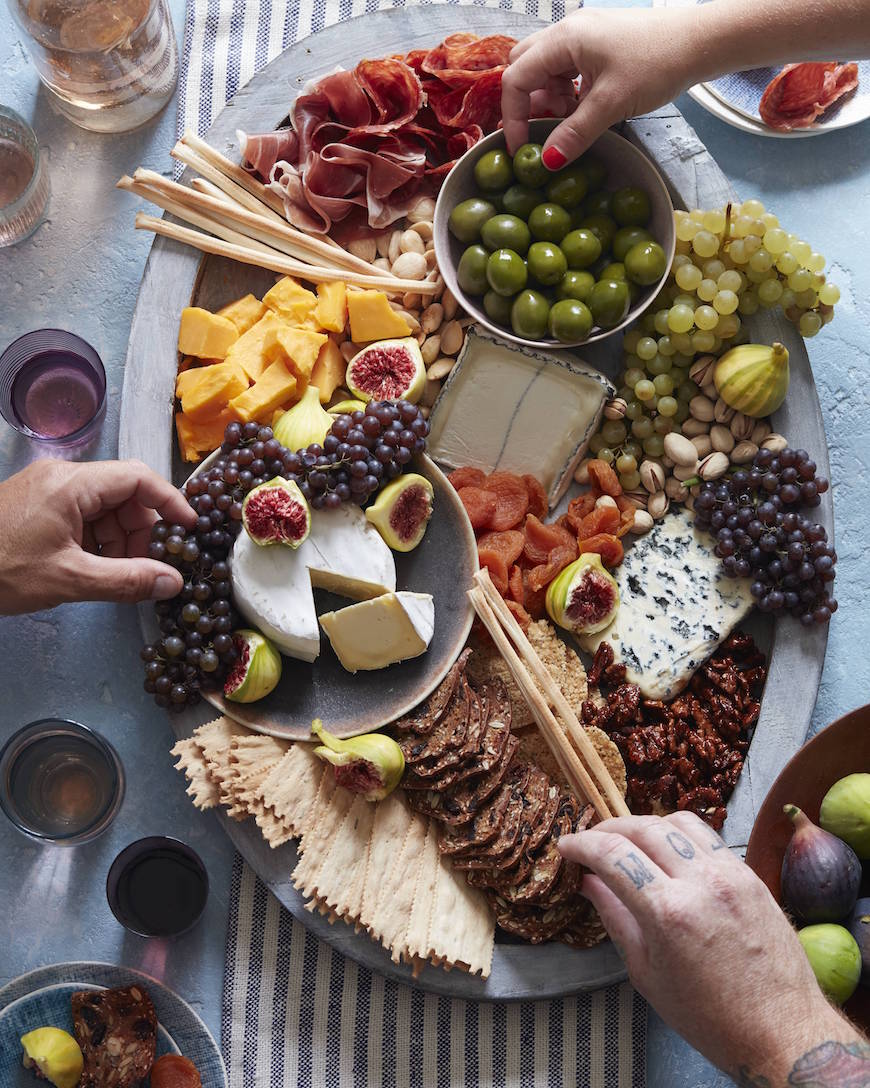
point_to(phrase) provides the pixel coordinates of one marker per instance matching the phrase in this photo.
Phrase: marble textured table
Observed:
(81, 271)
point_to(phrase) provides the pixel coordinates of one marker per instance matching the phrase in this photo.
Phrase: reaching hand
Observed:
(78, 532)
(706, 944)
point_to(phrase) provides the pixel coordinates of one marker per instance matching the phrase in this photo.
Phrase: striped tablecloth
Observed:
(295, 1012)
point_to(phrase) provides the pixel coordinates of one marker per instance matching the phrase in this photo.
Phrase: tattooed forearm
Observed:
(635, 869)
(833, 1065)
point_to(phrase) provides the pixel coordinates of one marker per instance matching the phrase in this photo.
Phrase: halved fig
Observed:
(388, 370)
(276, 512)
(584, 598)
(257, 670)
(371, 765)
(402, 511)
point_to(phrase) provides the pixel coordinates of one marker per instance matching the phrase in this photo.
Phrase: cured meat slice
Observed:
(117, 1033)
(260, 152)
(427, 716)
(801, 93)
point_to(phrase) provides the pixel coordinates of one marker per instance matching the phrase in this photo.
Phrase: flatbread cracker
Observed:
(201, 786)
(393, 906)
(461, 925)
(417, 935)
(317, 842)
(340, 879)
(274, 830)
(291, 786)
(253, 756)
(392, 819)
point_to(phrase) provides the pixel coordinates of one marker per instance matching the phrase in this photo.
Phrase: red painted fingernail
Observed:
(553, 158)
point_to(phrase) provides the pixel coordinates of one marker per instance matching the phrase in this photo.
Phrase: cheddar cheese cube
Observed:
(205, 335)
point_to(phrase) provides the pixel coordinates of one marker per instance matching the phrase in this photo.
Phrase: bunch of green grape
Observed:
(731, 262)
(656, 388)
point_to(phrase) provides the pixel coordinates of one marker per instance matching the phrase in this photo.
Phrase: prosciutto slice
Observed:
(364, 144)
(801, 93)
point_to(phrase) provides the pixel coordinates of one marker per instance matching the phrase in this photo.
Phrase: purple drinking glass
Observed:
(52, 387)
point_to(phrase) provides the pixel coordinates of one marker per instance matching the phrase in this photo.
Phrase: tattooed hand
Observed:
(706, 944)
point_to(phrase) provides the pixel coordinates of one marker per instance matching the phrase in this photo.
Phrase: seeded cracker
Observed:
(200, 784)
(393, 906)
(534, 749)
(461, 925)
(290, 789)
(416, 938)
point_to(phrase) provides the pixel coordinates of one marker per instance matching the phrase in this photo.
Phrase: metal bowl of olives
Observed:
(554, 258)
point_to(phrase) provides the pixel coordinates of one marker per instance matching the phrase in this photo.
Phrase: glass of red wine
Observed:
(157, 887)
(52, 387)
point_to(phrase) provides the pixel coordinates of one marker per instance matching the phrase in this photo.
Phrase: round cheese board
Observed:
(175, 276)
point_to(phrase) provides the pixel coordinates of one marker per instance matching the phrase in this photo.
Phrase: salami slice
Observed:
(801, 93)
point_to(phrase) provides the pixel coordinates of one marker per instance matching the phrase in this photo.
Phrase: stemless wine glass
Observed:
(24, 186)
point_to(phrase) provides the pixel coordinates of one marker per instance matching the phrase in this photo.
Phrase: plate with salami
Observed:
(651, 511)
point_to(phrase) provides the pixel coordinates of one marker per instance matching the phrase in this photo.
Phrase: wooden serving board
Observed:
(175, 277)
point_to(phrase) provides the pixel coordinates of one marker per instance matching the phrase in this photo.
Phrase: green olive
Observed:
(471, 270)
(613, 271)
(581, 248)
(520, 200)
(576, 285)
(505, 231)
(549, 223)
(626, 237)
(630, 207)
(645, 263)
(529, 315)
(547, 263)
(493, 171)
(529, 167)
(603, 227)
(467, 218)
(595, 171)
(498, 307)
(568, 187)
(597, 203)
(570, 321)
(506, 272)
(609, 302)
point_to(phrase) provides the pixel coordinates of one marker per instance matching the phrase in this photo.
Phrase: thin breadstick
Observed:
(206, 187)
(553, 692)
(572, 766)
(233, 171)
(278, 262)
(240, 195)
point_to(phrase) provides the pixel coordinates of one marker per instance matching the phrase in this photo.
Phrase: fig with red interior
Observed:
(402, 511)
(388, 370)
(276, 512)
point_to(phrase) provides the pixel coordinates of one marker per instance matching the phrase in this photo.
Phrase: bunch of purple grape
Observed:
(761, 534)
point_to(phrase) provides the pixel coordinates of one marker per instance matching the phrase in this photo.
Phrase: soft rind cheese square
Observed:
(676, 606)
(381, 632)
(516, 409)
(273, 585)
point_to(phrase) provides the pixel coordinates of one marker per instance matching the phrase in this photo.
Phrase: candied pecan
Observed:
(602, 661)
(614, 674)
(589, 712)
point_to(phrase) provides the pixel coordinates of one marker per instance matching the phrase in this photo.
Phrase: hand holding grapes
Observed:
(76, 532)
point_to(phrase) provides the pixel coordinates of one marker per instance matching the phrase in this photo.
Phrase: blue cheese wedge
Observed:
(676, 607)
(381, 632)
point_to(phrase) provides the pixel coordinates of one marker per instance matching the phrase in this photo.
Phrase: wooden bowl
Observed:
(626, 165)
(843, 748)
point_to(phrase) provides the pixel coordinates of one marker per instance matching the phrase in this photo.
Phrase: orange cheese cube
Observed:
(275, 386)
(291, 301)
(329, 371)
(372, 319)
(298, 348)
(197, 439)
(331, 309)
(249, 350)
(205, 335)
(244, 312)
(206, 390)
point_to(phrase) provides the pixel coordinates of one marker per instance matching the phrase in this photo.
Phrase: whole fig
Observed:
(845, 812)
(834, 958)
(859, 927)
(820, 874)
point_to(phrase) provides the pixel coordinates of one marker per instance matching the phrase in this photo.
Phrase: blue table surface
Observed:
(81, 271)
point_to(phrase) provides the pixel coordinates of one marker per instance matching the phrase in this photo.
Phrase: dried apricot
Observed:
(603, 519)
(538, 504)
(534, 599)
(480, 506)
(467, 477)
(520, 614)
(602, 476)
(624, 503)
(541, 539)
(607, 546)
(581, 506)
(495, 564)
(626, 520)
(512, 496)
(541, 576)
(508, 544)
(515, 584)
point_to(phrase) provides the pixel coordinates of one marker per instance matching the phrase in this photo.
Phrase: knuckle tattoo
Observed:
(680, 845)
(636, 869)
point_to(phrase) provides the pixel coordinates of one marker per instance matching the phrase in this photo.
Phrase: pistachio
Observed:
(420, 337)
(703, 444)
(424, 208)
(692, 427)
(432, 317)
(774, 442)
(742, 426)
(448, 301)
(615, 409)
(743, 453)
(424, 229)
(431, 349)
(666, 462)
(722, 412)
(760, 431)
(640, 498)
(431, 260)
(451, 337)
(409, 266)
(658, 505)
(701, 371)
(383, 243)
(721, 438)
(652, 476)
(680, 449)
(710, 390)
(642, 523)
(411, 242)
(686, 472)
(395, 246)
(581, 472)
(606, 500)
(713, 466)
(440, 368)
(364, 248)
(701, 407)
(676, 490)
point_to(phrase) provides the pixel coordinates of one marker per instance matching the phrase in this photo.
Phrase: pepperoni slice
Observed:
(800, 93)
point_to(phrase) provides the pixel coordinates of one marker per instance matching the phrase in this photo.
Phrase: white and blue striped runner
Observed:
(297, 1013)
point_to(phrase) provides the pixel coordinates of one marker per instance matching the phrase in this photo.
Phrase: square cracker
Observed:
(391, 823)
(253, 756)
(317, 842)
(341, 877)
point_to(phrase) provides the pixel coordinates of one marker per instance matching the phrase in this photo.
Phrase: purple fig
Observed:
(859, 927)
(821, 875)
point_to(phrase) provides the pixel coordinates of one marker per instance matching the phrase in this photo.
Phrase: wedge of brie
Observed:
(381, 632)
(273, 586)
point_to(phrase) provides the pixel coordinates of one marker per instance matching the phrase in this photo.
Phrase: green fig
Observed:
(835, 959)
(402, 511)
(845, 812)
(371, 765)
(257, 669)
(276, 512)
(584, 597)
(54, 1055)
(305, 423)
(346, 407)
